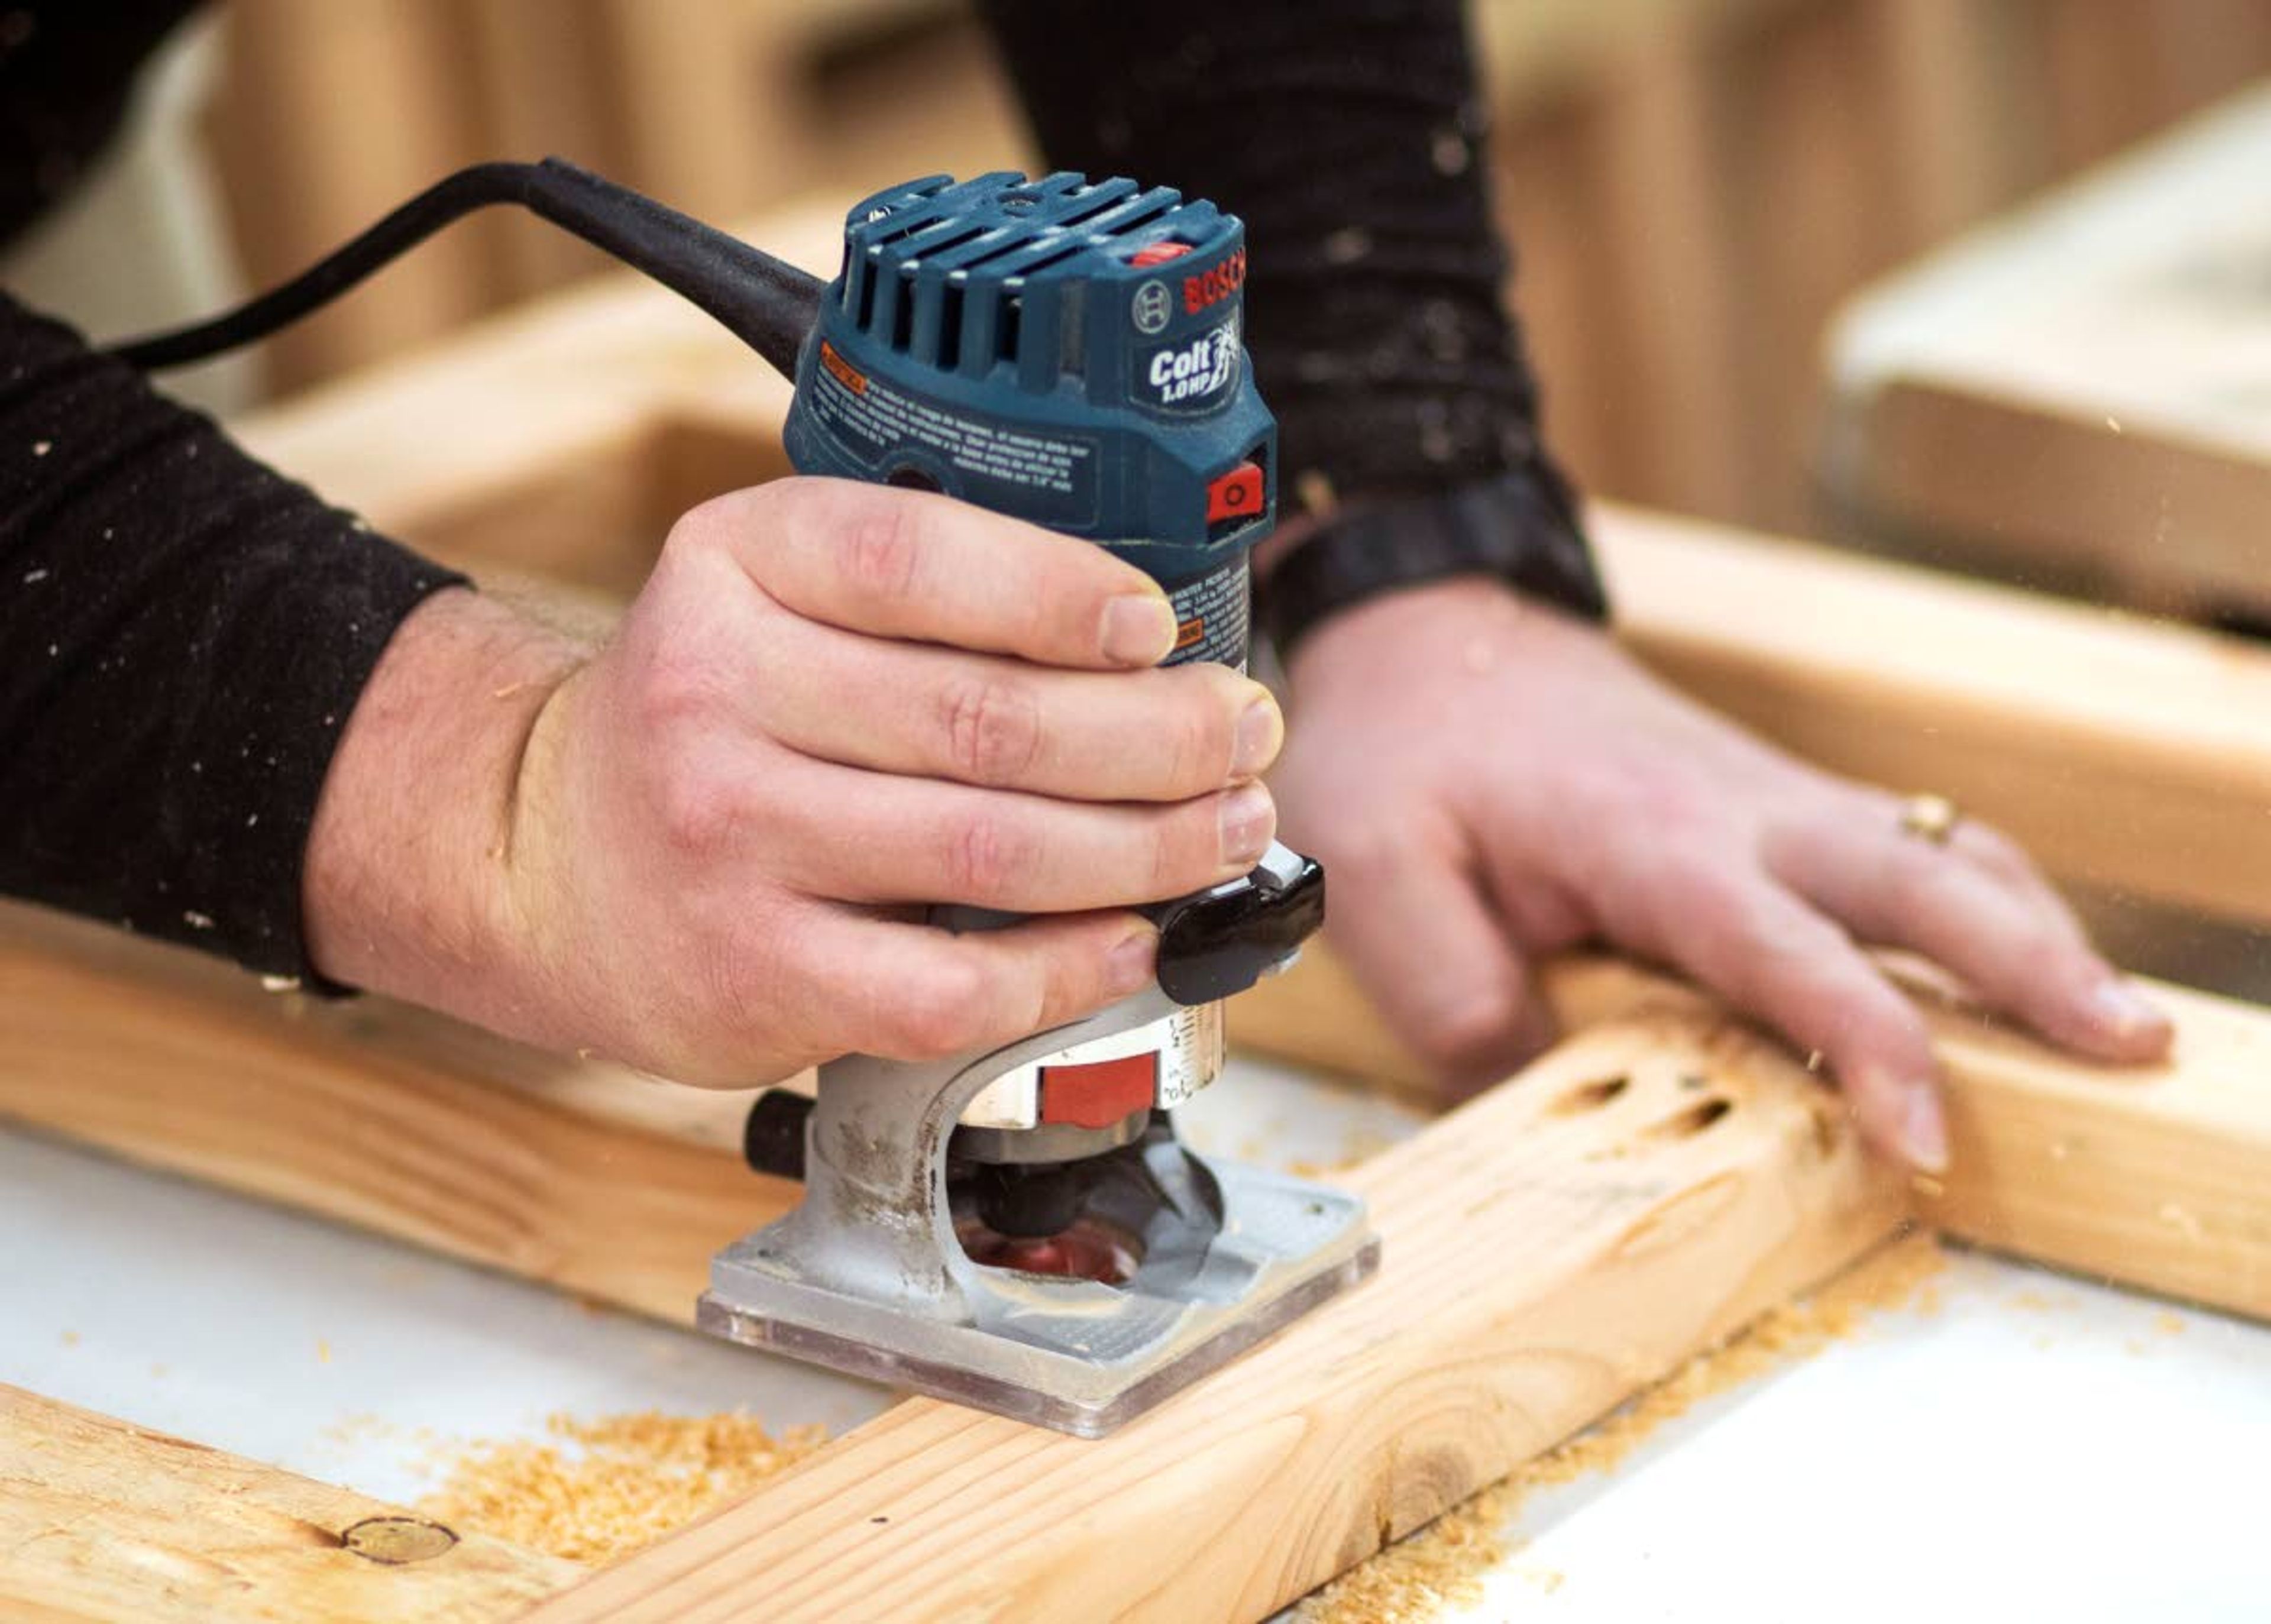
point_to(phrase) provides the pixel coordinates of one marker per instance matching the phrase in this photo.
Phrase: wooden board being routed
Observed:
(1567, 1237)
(2156, 1176)
(102, 1520)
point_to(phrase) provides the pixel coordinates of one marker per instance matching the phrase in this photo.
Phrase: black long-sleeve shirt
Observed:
(183, 632)
(1349, 136)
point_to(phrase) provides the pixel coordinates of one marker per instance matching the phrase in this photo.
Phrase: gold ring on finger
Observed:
(1929, 818)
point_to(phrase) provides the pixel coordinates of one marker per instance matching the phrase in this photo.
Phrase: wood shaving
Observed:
(357, 1430)
(1444, 1564)
(594, 1491)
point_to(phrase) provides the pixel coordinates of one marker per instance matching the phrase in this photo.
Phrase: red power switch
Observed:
(1101, 1092)
(1236, 494)
(1158, 254)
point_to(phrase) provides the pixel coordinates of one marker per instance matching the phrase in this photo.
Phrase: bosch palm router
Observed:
(1018, 1228)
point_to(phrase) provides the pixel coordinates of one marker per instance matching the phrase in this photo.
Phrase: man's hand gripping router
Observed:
(698, 847)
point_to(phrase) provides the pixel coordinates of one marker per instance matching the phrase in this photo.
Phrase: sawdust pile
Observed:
(1443, 1564)
(594, 1491)
(597, 1490)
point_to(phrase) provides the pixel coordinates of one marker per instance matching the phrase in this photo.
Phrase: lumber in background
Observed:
(2059, 394)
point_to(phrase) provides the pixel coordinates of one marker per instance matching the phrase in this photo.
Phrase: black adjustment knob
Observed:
(772, 1139)
(1220, 942)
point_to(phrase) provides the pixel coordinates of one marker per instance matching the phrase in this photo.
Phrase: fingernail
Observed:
(1258, 730)
(1139, 629)
(2125, 1011)
(1924, 1130)
(1249, 818)
(1129, 965)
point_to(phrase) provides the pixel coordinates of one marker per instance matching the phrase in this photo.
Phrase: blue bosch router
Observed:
(1017, 1229)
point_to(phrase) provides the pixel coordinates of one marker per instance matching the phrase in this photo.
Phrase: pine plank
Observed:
(101, 1520)
(589, 1177)
(572, 1174)
(1548, 1248)
(2157, 1177)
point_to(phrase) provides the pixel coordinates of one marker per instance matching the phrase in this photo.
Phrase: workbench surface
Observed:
(2026, 1446)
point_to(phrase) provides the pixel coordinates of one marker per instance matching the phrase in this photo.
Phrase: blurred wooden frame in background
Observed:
(1692, 185)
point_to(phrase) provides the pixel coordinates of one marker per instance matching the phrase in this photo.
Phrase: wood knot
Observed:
(1591, 1096)
(398, 1541)
(1694, 1119)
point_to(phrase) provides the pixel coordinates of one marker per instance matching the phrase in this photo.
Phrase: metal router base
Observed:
(1076, 1355)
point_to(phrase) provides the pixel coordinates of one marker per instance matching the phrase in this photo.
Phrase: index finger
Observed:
(925, 568)
(1773, 956)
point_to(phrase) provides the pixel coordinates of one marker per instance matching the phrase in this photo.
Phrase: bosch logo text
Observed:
(1214, 284)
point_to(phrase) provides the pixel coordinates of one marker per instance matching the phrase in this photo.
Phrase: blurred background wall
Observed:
(1691, 185)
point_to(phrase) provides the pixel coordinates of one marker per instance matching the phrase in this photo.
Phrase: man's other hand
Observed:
(1487, 781)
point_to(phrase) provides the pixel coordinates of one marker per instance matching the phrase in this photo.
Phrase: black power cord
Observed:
(766, 302)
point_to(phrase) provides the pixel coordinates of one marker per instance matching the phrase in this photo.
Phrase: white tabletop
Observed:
(2031, 1447)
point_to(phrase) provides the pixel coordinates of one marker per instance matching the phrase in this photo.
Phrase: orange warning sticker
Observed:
(1189, 634)
(847, 374)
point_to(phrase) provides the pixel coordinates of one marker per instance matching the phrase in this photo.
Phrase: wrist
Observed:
(406, 885)
(1518, 527)
(1476, 622)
